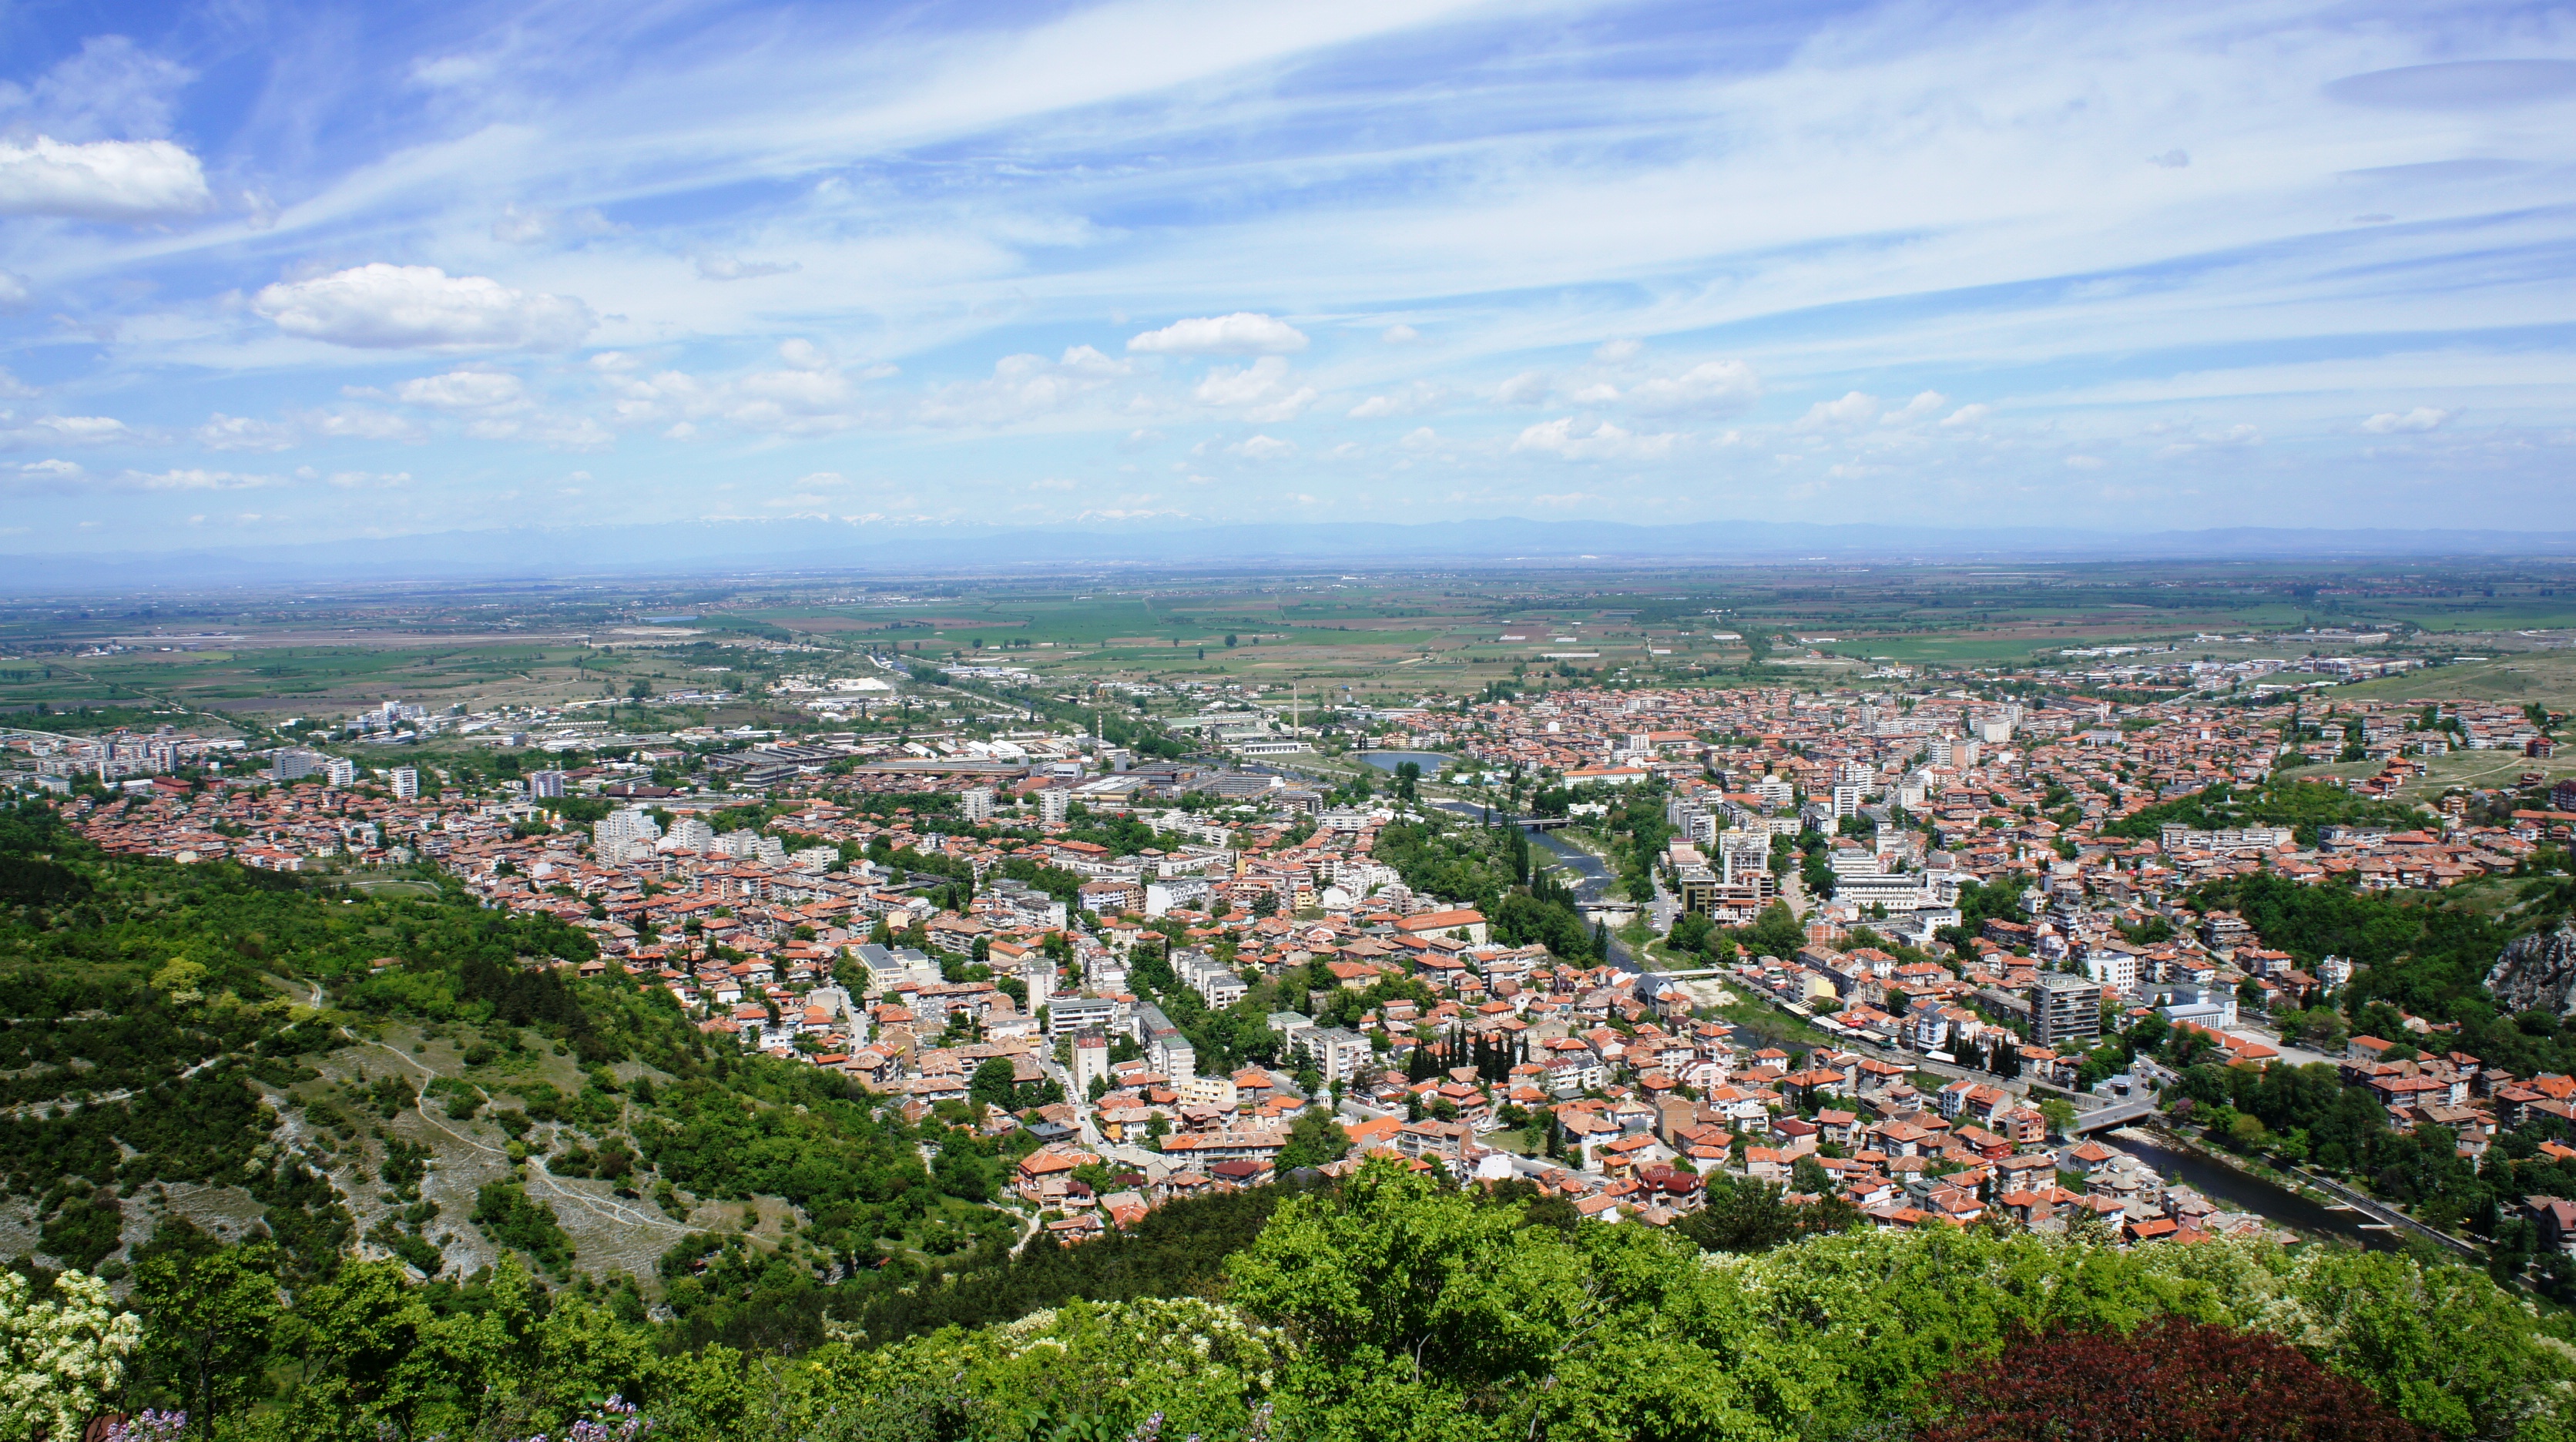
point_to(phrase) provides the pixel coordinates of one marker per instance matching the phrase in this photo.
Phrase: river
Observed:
(1591, 875)
(2231, 1188)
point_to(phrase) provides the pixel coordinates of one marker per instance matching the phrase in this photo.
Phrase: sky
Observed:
(277, 273)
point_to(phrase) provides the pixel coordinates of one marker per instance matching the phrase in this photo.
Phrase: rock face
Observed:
(2538, 971)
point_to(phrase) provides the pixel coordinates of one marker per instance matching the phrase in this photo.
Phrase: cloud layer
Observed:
(2097, 263)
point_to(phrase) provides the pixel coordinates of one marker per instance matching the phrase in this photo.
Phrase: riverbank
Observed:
(2285, 1200)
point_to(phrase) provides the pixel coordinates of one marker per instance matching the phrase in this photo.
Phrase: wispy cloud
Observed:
(1941, 257)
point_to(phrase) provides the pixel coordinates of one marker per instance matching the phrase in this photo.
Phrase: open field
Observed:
(1332, 636)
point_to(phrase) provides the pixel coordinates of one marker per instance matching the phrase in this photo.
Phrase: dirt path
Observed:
(603, 1208)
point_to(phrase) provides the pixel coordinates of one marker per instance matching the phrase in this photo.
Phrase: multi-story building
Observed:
(406, 782)
(619, 832)
(2065, 1008)
(1090, 1062)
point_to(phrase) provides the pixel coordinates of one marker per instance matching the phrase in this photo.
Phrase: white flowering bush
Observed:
(59, 1357)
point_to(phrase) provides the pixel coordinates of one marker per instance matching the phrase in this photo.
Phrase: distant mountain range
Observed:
(706, 549)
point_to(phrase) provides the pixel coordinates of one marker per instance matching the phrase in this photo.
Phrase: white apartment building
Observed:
(619, 831)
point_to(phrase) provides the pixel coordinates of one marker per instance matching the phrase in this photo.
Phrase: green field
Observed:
(1383, 635)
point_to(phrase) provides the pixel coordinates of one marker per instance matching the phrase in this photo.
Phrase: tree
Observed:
(1691, 931)
(991, 1083)
(1430, 1313)
(61, 1356)
(1775, 932)
(1313, 1139)
(2060, 1113)
(2172, 1380)
(1744, 1215)
(207, 1312)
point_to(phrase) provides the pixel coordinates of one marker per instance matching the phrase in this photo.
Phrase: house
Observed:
(1470, 924)
(1043, 1178)
(2555, 1217)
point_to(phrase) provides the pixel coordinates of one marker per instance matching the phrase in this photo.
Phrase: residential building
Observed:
(2065, 1008)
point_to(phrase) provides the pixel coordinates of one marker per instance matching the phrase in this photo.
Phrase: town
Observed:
(1917, 955)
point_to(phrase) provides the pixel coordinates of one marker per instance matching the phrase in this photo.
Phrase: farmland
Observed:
(1334, 636)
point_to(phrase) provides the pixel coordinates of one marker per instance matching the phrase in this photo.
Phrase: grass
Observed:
(1773, 1024)
(2548, 677)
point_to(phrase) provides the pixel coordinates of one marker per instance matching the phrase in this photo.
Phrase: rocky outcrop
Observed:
(2538, 972)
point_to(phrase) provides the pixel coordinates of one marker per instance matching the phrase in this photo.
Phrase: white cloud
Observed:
(1411, 398)
(2171, 159)
(369, 480)
(241, 433)
(799, 402)
(1242, 333)
(1604, 442)
(1399, 335)
(1854, 409)
(531, 227)
(63, 430)
(51, 470)
(1262, 387)
(1421, 438)
(2422, 418)
(1968, 415)
(804, 354)
(360, 423)
(1616, 352)
(1709, 388)
(196, 480)
(1526, 389)
(1923, 404)
(15, 291)
(2086, 463)
(723, 265)
(420, 307)
(2235, 437)
(1263, 448)
(465, 390)
(1022, 386)
(554, 432)
(136, 181)
(1599, 393)
(12, 388)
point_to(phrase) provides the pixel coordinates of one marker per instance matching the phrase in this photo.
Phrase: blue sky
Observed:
(276, 273)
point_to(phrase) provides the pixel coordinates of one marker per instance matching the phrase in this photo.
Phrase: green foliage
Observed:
(511, 1218)
(2303, 805)
(1313, 1139)
(1179, 1249)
